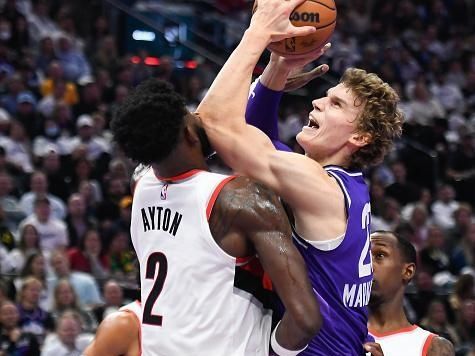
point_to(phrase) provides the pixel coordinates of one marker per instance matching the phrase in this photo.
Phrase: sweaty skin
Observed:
(117, 335)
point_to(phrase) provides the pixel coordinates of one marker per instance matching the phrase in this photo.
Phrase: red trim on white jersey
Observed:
(180, 177)
(394, 332)
(215, 194)
(425, 349)
(414, 340)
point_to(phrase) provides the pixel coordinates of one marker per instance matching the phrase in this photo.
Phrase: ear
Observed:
(408, 272)
(360, 139)
(190, 134)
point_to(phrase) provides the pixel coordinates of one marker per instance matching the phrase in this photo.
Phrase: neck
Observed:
(340, 158)
(389, 315)
(178, 162)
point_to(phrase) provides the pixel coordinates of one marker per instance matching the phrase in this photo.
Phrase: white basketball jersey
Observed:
(135, 308)
(195, 300)
(410, 341)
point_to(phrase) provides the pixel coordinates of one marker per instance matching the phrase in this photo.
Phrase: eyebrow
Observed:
(336, 98)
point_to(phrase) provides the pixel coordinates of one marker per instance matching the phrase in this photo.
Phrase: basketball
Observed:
(318, 13)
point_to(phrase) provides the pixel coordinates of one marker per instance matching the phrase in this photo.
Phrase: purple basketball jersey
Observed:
(342, 277)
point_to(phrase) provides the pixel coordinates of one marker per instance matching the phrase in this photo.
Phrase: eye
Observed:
(336, 104)
(379, 255)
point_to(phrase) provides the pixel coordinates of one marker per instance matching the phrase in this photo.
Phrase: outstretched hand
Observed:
(297, 78)
(272, 20)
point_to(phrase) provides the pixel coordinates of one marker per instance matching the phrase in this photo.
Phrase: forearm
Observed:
(262, 110)
(225, 101)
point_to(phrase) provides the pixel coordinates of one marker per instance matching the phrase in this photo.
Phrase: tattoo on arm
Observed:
(440, 347)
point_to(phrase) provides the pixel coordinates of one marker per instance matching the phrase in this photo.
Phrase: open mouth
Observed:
(313, 124)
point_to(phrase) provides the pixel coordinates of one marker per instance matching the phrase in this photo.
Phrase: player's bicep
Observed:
(269, 231)
(112, 336)
(441, 347)
(244, 148)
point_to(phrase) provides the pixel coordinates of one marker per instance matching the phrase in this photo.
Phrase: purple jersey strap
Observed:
(261, 112)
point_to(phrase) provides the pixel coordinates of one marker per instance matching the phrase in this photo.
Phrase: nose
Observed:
(318, 104)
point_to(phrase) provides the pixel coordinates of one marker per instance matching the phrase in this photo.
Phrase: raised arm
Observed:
(260, 226)
(262, 112)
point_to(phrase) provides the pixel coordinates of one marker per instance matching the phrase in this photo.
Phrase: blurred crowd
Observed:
(65, 255)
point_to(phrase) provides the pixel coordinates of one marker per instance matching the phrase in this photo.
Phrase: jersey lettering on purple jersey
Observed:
(342, 277)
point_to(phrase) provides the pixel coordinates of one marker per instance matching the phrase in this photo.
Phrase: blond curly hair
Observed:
(380, 117)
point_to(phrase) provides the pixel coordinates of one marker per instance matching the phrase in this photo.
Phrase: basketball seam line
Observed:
(328, 7)
(329, 24)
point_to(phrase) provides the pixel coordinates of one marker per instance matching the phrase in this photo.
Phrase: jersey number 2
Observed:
(365, 269)
(153, 259)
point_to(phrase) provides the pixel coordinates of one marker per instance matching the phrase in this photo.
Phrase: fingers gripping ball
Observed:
(318, 13)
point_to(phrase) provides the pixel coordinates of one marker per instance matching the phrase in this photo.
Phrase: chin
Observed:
(301, 141)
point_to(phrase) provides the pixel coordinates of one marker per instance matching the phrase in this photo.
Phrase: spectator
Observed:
(108, 210)
(401, 190)
(18, 150)
(113, 300)
(444, 207)
(419, 223)
(46, 55)
(54, 76)
(462, 222)
(9, 100)
(88, 191)
(39, 23)
(68, 339)
(26, 113)
(89, 257)
(120, 256)
(9, 203)
(95, 146)
(32, 317)
(65, 300)
(77, 221)
(83, 172)
(29, 245)
(390, 217)
(7, 240)
(39, 189)
(13, 340)
(466, 322)
(425, 199)
(463, 290)
(437, 322)
(35, 266)
(433, 257)
(52, 231)
(75, 65)
(424, 294)
(50, 163)
(84, 285)
(48, 103)
(464, 253)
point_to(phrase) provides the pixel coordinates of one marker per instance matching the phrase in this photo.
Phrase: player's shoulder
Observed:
(246, 190)
(119, 323)
(247, 187)
(440, 346)
(247, 201)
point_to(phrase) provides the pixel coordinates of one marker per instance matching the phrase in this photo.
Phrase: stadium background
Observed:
(66, 65)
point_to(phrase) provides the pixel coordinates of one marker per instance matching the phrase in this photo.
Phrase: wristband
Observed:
(282, 351)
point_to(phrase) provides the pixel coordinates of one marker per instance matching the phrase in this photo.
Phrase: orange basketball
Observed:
(318, 13)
